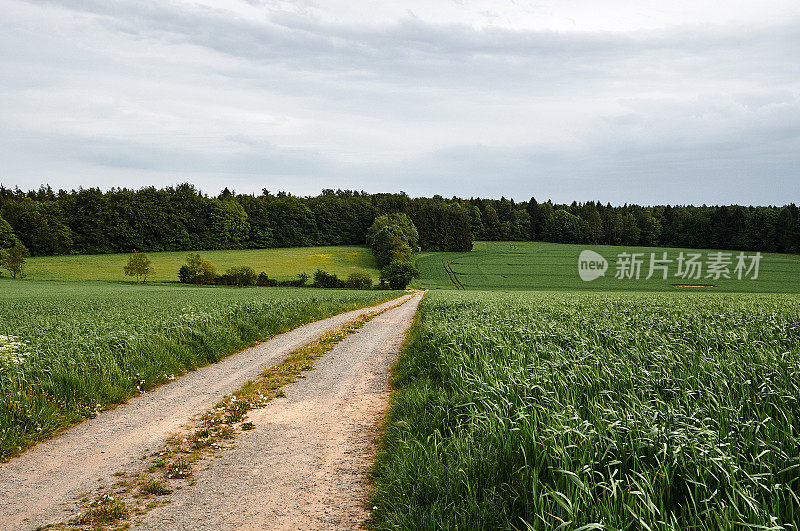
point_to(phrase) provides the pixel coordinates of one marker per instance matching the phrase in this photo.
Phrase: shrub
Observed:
(358, 280)
(186, 275)
(239, 276)
(197, 271)
(327, 280)
(264, 280)
(301, 280)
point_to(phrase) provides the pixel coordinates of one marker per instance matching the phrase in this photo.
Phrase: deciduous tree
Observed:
(13, 259)
(139, 266)
(398, 274)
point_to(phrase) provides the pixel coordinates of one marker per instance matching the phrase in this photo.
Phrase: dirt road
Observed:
(42, 485)
(304, 465)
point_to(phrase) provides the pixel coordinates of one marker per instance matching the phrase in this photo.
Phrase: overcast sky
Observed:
(685, 101)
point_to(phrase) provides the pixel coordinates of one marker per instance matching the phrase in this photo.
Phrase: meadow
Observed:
(555, 410)
(71, 349)
(554, 266)
(280, 264)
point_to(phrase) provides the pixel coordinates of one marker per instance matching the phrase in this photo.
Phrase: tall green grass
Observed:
(68, 350)
(613, 411)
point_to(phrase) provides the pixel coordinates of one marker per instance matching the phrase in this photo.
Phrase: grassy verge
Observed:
(70, 350)
(594, 411)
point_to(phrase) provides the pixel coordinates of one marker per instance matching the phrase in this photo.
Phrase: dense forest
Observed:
(183, 218)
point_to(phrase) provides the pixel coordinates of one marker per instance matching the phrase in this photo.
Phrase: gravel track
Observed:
(304, 466)
(42, 485)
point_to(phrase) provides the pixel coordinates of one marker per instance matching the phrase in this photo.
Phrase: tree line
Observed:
(183, 218)
(763, 228)
(90, 221)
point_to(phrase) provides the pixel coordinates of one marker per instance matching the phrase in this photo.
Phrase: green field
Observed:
(587, 411)
(553, 266)
(69, 349)
(281, 264)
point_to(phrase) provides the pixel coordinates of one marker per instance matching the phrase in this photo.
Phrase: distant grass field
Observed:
(282, 264)
(552, 266)
(70, 349)
(585, 411)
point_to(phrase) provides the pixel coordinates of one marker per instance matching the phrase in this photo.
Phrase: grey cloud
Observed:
(651, 116)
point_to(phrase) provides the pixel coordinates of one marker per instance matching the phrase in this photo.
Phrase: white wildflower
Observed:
(12, 350)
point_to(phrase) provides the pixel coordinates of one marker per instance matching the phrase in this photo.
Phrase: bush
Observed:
(197, 271)
(398, 274)
(327, 280)
(186, 275)
(263, 280)
(302, 278)
(358, 280)
(239, 276)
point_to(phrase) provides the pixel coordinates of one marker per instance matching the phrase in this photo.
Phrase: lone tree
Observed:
(13, 259)
(398, 274)
(392, 237)
(139, 266)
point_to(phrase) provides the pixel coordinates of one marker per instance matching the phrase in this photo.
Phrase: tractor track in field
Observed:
(302, 467)
(452, 274)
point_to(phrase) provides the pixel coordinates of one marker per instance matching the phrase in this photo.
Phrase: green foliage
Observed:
(154, 487)
(139, 266)
(400, 222)
(618, 411)
(66, 347)
(13, 259)
(442, 226)
(7, 236)
(228, 222)
(40, 226)
(327, 280)
(239, 276)
(186, 274)
(183, 218)
(564, 227)
(392, 237)
(625, 230)
(649, 228)
(197, 270)
(358, 280)
(398, 274)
